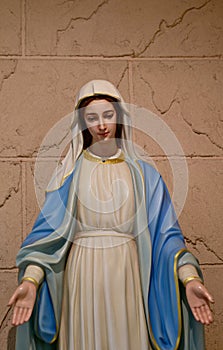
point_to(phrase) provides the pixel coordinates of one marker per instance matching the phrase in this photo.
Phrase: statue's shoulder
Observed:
(148, 170)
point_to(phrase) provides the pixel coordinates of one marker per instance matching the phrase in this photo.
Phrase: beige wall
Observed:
(165, 55)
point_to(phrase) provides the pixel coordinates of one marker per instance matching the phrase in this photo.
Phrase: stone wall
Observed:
(164, 55)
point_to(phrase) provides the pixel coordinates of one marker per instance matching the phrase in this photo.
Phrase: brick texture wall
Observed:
(164, 55)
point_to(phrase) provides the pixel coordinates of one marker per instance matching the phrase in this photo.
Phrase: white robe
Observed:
(102, 301)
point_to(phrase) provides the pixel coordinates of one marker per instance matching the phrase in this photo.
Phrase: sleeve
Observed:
(35, 273)
(187, 273)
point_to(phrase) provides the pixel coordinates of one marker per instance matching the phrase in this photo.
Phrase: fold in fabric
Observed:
(160, 245)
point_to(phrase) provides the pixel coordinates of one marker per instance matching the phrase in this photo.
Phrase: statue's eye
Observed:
(108, 115)
(92, 118)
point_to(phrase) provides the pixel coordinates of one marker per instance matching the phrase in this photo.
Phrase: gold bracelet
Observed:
(32, 280)
(191, 278)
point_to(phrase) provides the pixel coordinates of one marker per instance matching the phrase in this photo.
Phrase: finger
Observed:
(23, 315)
(204, 314)
(208, 314)
(13, 299)
(18, 316)
(196, 316)
(28, 315)
(15, 315)
(209, 297)
(15, 310)
(200, 315)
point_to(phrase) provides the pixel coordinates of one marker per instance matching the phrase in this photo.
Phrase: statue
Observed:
(105, 266)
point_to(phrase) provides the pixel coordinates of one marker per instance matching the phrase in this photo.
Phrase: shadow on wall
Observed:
(7, 331)
(11, 339)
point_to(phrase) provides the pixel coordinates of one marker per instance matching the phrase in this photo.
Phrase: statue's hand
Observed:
(199, 300)
(23, 300)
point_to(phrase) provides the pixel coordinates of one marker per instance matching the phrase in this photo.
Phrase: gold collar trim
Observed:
(91, 157)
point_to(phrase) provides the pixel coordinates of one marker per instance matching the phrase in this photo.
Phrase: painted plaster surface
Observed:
(10, 27)
(124, 28)
(165, 56)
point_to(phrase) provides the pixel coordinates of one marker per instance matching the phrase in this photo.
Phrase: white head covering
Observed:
(142, 120)
(91, 89)
(95, 88)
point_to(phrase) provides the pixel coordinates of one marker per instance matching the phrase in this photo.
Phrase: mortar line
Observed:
(9, 269)
(121, 58)
(211, 264)
(46, 159)
(23, 28)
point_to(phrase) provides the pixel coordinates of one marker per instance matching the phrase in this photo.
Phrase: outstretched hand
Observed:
(23, 300)
(199, 300)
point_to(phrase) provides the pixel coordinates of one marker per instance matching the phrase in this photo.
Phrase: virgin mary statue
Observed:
(105, 266)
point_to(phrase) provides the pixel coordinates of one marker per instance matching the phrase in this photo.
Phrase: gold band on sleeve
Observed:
(32, 280)
(191, 278)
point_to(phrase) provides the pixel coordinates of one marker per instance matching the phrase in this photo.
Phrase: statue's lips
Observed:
(104, 134)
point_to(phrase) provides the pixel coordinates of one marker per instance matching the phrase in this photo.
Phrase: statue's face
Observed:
(100, 118)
